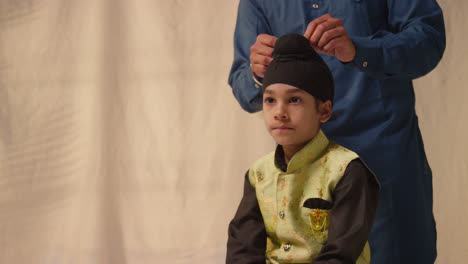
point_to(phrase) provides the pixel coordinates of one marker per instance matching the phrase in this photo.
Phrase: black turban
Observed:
(297, 64)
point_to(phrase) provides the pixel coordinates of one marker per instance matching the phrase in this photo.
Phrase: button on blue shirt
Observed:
(374, 115)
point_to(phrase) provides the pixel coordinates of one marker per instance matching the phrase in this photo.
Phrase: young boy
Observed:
(311, 200)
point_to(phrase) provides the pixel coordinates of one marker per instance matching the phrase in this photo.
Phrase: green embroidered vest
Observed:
(296, 233)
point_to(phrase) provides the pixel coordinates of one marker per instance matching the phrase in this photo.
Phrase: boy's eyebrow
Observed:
(293, 90)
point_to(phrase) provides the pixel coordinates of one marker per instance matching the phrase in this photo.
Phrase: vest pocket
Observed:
(319, 219)
(318, 216)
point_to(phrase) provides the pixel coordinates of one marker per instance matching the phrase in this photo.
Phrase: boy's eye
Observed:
(269, 100)
(295, 100)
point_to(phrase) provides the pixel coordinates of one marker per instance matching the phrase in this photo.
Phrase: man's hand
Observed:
(261, 54)
(327, 35)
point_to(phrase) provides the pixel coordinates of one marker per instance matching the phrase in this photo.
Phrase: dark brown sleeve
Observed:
(354, 204)
(246, 235)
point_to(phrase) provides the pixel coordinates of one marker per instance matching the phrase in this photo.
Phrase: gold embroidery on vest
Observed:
(259, 176)
(319, 222)
(285, 201)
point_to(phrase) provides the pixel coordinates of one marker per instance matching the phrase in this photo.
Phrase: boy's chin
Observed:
(287, 141)
(290, 141)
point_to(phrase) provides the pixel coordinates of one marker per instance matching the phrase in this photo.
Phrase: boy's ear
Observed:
(325, 111)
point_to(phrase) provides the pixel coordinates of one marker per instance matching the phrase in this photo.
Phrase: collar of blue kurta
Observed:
(309, 153)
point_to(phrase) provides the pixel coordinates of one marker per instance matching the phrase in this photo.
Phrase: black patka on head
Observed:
(297, 64)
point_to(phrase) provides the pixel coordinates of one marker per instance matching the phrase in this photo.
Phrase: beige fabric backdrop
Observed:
(121, 142)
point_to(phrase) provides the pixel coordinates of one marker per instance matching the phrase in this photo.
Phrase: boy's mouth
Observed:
(282, 128)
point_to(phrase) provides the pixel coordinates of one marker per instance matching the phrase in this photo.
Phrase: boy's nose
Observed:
(281, 113)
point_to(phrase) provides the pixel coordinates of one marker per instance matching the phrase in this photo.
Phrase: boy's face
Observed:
(291, 115)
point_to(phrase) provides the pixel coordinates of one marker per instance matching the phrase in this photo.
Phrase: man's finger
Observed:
(328, 35)
(330, 52)
(266, 39)
(262, 49)
(259, 70)
(332, 44)
(312, 25)
(322, 28)
(260, 59)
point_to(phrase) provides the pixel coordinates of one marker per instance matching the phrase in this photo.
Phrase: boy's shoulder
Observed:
(346, 155)
(338, 152)
(260, 167)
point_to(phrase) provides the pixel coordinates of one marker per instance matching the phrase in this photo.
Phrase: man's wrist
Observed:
(258, 81)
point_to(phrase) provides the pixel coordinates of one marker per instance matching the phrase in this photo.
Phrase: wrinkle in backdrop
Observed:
(121, 142)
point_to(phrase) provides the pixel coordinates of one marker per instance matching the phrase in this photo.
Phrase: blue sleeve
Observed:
(410, 47)
(250, 23)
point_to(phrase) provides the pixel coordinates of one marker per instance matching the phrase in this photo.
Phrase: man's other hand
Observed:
(327, 35)
(261, 54)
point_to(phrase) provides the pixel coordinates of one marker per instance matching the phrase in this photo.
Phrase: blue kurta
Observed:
(374, 115)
